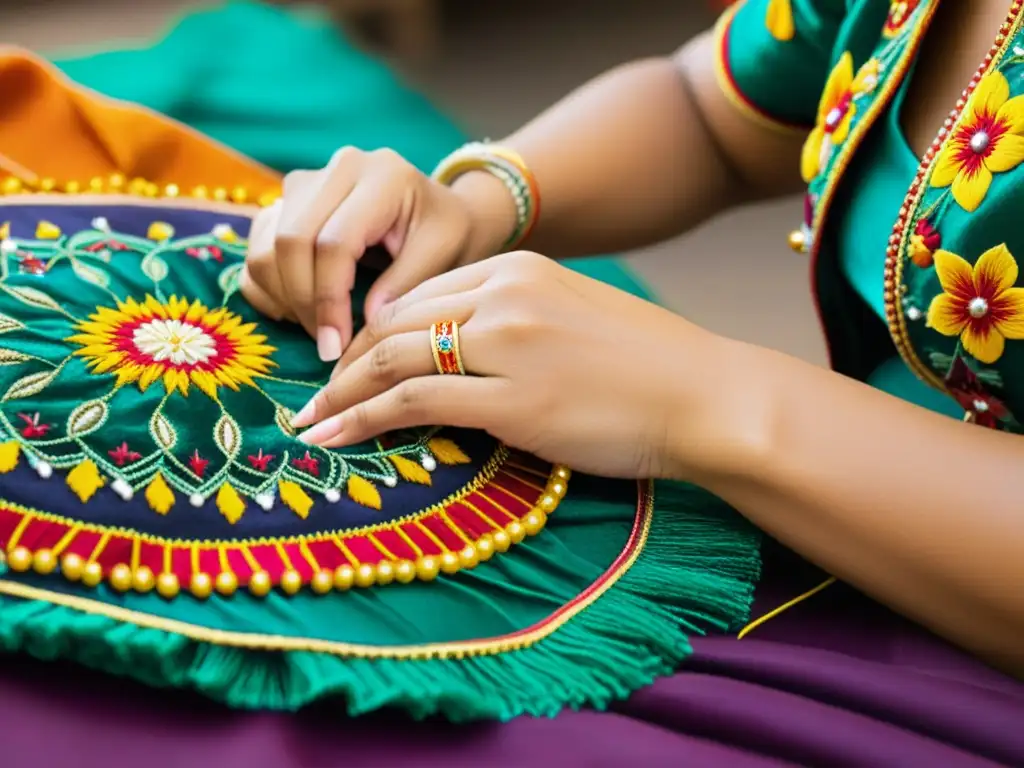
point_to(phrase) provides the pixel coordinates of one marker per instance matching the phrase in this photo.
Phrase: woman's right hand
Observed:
(303, 249)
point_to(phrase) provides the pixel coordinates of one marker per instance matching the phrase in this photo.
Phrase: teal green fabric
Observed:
(288, 90)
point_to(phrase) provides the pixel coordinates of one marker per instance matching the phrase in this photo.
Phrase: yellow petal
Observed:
(159, 495)
(809, 160)
(5, 230)
(46, 230)
(983, 342)
(410, 470)
(1012, 114)
(160, 230)
(296, 498)
(955, 275)
(1007, 153)
(362, 491)
(838, 83)
(1010, 310)
(995, 271)
(843, 129)
(446, 451)
(991, 94)
(946, 315)
(84, 480)
(9, 453)
(867, 77)
(947, 166)
(779, 20)
(230, 504)
(969, 189)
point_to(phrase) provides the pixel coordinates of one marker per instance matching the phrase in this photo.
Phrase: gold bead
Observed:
(92, 574)
(20, 559)
(47, 185)
(143, 579)
(201, 585)
(121, 577)
(502, 541)
(268, 199)
(226, 583)
(72, 566)
(137, 186)
(95, 184)
(72, 187)
(557, 489)
(428, 567)
(291, 582)
(385, 572)
(516, 532)
(485, 548)
(563, 473)
(797, 240)
(151, 189)
(468, 556)
(12, 185)
(548, 503)
(405, 571)
(201, 192)
(171, 190)
(220, 194)
(450, 562)
(239, 194)
(260, 584)
(534, 522)
(116, 181)
(322, 582)
(344, 577)
(365, 575)
(44, 562)
(167, 585)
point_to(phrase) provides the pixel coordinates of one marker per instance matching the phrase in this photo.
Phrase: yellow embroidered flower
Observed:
(177, 341)
(779, 19)
(989, 139)
(979, 304)
(835, 112)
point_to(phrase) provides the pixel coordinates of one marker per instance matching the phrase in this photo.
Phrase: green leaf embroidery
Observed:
(90, 274)
(10, 357)
(87, 417)
(33, 297)
(228, 279)
(154, 267)
(8, 324)
(283, 418)
(165, 434)
(30, 385)
(227, 436)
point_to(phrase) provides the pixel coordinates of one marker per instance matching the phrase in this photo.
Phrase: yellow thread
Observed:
(285, 560)
(528, 470)
(430, 535)
(410, 470)
(454, 528)
(136, 555)
(481, 647)
(515, 496)
(480, 513)
(97, 551)
(381, 548)
(250, 560)
(446, 451)
(352, 559)
(363, 492)
(9, 453)
(309, 557)
(230, 503)
(84, 480)
(47, 230)
(66, 540)
(222, 557)
(18, 531)
(168, 562)
(408, 541)
(194, 559)
(784, 607)
(159, 495)
(296, 498)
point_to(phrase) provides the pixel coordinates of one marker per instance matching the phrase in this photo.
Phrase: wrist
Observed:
(492, 214)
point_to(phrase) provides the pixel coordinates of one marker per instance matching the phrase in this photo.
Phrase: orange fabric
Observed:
(53, 128)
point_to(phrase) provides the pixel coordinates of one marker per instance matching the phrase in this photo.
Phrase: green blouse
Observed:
(926, 244)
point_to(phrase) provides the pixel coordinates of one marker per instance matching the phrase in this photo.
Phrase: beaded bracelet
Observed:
(509, 168)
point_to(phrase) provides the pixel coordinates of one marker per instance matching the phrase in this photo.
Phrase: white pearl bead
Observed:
(44, 470)
(980, 406)
(221, 230)
(196, 500)
(8, 246)
(979, 142)
(101, 223)
(429, 463)
(913, 313)
(265, 501)
(122, 489)
(978, 307)
(332, 495)
(390, 481)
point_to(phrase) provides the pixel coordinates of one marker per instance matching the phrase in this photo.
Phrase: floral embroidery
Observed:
(923, 243)
(206, 252)
(965, 386)
(33, 429)
(989, 140)
(836, 111)
(979, 304)
(779, 20)
(177, 342)
(900, 12)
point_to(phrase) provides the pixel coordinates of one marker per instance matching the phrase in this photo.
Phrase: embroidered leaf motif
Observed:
(30, 385)
(90, 274)
(159, 495)
(283, 418)
(8, 324)
(33, 297)
(410, 470)
(230, 503)
(296, 498)
(84, 480)
(9, 453)
(362, 491)
(10, 357)
(446, 451)
(87, 417)
(228, 279)
(227, 436)
(165, 434)
(154, 267)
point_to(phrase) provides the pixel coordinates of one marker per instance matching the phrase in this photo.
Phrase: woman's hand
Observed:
(303, 249)
(560, 365)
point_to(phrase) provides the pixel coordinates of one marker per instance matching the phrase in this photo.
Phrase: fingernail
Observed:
(306, 416)
(328, 343)
(320, 432)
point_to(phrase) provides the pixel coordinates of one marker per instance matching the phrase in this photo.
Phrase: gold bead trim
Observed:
(117, 183)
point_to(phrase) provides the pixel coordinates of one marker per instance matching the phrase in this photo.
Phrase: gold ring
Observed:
(444, 343)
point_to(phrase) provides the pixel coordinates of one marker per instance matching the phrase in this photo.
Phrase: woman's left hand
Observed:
(561, 366)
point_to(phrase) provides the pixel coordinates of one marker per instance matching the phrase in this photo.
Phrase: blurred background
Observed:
(492, 66)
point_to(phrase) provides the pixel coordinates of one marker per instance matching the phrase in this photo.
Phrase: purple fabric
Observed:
(837, 681)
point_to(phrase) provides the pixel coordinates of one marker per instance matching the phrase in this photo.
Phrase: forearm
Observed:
(638, 155)
(920, 511)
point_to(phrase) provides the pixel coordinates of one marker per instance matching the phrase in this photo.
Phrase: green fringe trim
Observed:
(696, 575)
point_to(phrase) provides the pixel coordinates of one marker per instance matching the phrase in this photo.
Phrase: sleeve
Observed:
(774, 57)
